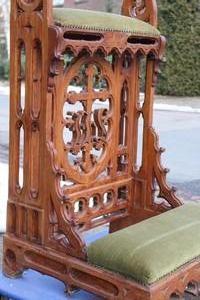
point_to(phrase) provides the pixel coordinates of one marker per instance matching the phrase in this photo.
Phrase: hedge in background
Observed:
(4, 70)
(179, 21)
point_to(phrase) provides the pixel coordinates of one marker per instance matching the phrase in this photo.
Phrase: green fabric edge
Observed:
(148, 283)
(92, 20)
(146, 279)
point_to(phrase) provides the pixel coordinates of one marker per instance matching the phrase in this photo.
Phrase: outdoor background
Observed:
(177, 104)
(179, 21)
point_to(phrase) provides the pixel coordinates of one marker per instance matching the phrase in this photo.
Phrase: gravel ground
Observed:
(189, 190)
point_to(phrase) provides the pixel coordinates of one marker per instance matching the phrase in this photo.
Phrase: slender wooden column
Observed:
(152, 171)
(147, 154)
(28, 95)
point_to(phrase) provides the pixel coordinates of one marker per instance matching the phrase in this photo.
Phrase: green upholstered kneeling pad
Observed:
(152, 248)
(101, 21)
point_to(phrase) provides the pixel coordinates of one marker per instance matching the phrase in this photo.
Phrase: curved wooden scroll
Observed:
(145, 10)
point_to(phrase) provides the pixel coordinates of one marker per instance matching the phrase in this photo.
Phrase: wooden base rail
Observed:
(78, 274)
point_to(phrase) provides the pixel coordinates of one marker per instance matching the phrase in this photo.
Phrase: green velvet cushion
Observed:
(100, 21)
(153, 248)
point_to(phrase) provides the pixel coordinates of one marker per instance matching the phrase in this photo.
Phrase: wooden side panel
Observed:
(28, 93)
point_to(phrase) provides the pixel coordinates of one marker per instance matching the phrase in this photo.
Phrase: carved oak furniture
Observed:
(75, 145)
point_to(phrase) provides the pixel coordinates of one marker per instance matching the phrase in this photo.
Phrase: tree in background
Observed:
(109, 5)
(4, 38)
(180, 23)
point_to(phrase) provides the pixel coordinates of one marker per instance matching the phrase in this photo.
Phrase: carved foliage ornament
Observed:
(138, 8)
(141, 9)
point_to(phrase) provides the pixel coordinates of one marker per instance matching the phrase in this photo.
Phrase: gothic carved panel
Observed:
(87, 123)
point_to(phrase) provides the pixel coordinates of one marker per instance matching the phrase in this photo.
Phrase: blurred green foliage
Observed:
(4, 70)
(179, 22)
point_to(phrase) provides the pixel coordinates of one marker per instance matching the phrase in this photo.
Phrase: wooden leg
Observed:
(11, 267)
(71, 289)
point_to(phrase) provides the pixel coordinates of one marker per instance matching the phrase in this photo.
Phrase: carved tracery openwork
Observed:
(87, 120)
(89, 125)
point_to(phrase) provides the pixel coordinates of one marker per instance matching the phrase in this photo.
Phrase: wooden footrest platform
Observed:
(152, 249)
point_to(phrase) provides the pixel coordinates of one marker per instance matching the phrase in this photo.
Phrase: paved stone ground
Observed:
(188, 191)
(3, 153)
(193, 102)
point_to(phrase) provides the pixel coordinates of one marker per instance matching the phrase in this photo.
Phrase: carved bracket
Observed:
(160, 173)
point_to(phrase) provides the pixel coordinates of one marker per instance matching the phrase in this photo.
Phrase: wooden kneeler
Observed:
(74, 143)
